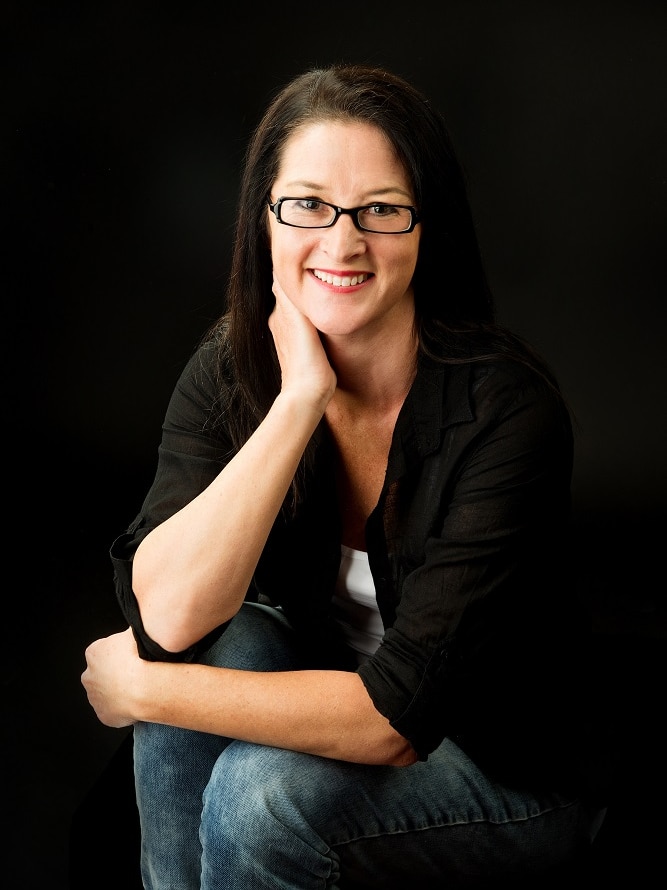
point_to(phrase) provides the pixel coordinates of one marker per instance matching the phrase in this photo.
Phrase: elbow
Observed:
(171, 608)
(174, 631)
(394, 749)
(168, 639)
(403, 755)
(177, 629)
(165, 634)
(163, 612)
(164, 627)
(384, 745)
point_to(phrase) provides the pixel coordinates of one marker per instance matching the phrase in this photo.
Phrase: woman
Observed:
(354, 657)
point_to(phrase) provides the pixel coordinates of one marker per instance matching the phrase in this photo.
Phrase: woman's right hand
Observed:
(304, 364)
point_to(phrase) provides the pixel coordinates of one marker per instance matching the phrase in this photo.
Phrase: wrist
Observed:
(303, 405)
(147, 688)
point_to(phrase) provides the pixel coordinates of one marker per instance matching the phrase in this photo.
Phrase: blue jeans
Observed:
(217, 813)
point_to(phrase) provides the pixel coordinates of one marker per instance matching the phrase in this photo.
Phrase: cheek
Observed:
(412, 256)
(288, 257)
(289, 248)
(402, 263)
(280, 255)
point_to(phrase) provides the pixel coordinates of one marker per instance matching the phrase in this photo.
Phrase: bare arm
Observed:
(191, 573)
(328, 713)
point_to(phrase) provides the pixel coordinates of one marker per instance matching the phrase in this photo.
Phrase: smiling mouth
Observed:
(341, 280)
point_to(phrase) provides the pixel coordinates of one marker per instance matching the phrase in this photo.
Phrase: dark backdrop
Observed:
(124, 126)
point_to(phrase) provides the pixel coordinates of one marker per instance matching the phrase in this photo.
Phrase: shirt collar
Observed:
(439, 398)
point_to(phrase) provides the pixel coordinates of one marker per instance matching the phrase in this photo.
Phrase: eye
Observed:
(382, 210)
(309, 204)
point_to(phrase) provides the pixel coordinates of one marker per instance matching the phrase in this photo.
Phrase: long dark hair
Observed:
(454, 311)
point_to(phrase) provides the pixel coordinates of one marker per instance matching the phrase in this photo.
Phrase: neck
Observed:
(375, 375)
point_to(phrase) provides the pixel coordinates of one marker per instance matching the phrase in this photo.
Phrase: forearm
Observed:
(327, 713)
(191, 573)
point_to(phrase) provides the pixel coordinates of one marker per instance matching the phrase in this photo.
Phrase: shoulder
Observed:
(207, 368)
(500, 380)
(488, 361)
(520, 411)
(202, 390)
(508, 383)
(487, 394)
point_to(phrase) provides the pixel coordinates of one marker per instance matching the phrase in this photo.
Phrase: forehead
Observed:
(348, 153)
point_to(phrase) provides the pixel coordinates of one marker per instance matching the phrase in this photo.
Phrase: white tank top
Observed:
(354, 604)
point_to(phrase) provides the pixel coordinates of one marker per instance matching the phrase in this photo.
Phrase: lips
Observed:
(341, 280)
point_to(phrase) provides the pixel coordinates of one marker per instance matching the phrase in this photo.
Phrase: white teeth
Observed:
(337, 281)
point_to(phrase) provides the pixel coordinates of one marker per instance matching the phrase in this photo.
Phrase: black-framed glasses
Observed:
(309, 213)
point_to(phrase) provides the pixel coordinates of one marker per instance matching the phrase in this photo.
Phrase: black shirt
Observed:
(485, 640)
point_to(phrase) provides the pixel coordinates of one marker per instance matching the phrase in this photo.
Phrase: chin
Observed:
(336, 327)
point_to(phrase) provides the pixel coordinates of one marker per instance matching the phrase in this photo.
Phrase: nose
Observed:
(343, 239)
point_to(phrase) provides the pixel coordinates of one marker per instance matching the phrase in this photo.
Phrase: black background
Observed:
(123, 131)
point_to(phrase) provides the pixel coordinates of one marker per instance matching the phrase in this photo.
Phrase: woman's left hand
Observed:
(111, 677)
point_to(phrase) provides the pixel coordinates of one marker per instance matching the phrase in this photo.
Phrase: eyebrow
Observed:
(315, 187)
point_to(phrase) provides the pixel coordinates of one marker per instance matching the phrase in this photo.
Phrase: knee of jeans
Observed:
(254, 800)
(257, 822)
(239, 792)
